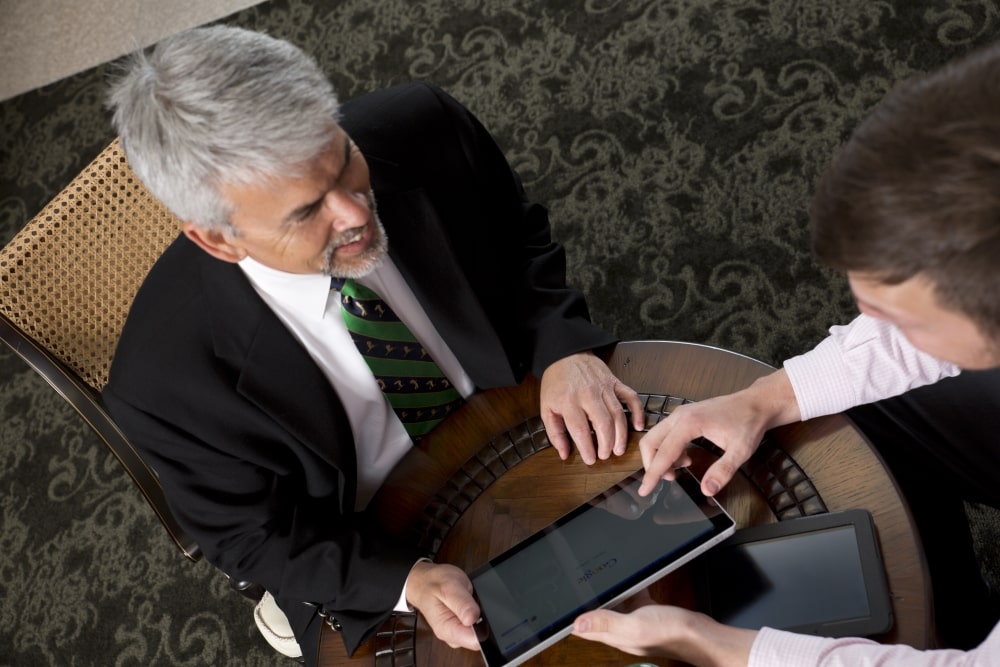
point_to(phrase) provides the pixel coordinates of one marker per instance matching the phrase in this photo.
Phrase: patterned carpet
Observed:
(676, 144)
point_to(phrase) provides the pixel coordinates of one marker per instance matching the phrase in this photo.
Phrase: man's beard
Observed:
(363, 264)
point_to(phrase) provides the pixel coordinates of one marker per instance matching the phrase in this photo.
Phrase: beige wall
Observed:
(42, 41)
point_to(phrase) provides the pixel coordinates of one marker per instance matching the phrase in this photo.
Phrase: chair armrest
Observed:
(87, 403)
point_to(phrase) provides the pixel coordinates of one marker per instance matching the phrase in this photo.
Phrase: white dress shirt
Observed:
(311, 312)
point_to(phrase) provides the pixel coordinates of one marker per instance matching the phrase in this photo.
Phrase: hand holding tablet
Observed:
(595, 556)
(619, 543)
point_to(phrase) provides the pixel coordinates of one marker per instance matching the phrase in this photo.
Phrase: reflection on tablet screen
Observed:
(820, 574)
(774, 583)
(587, 559)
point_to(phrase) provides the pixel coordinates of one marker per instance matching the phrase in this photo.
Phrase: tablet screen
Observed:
(818, 575)
(602, 552)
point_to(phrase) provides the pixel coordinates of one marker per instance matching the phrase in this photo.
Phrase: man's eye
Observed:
(309, 213)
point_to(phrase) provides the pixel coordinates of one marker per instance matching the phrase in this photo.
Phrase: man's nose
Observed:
(347, 209)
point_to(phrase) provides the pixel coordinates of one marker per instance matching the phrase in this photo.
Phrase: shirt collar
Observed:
(306, 293)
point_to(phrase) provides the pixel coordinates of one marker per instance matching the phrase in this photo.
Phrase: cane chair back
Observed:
(67, 281)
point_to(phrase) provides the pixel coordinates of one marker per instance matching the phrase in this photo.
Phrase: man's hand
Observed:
(443, 596)
(581, 398)
(735, 422)
(672, 632)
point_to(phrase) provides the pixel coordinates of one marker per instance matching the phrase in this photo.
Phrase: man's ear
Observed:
(214, 242)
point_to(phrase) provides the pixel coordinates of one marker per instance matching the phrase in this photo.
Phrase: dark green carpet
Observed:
(676, 144)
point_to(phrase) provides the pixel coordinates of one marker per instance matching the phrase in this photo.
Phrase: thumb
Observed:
(719, 474)
(601, 621)
(464, 607)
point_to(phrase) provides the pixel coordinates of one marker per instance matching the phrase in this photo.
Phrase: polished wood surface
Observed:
(486, 479)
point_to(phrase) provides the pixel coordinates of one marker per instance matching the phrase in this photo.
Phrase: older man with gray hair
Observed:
(248, 370)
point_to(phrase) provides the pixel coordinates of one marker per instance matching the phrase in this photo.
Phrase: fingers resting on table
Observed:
(582, 405)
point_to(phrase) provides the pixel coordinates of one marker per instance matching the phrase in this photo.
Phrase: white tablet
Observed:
(602, 552)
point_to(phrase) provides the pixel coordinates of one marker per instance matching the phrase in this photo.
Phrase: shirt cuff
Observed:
(820, 381)
(402, 604)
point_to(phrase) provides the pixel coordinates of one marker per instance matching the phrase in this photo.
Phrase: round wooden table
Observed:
(488, 478)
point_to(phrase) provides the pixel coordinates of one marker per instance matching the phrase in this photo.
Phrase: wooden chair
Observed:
(67, 280)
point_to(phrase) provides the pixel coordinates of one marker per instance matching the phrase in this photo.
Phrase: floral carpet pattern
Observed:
(675, 143)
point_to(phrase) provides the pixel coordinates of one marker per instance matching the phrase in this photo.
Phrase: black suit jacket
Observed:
(250, 441)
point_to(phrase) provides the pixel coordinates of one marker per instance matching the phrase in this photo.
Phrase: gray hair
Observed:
(218, 106)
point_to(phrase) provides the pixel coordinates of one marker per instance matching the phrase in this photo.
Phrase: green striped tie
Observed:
(412, 382)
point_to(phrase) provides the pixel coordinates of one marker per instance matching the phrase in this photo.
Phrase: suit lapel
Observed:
(278, 375)
(427, 261)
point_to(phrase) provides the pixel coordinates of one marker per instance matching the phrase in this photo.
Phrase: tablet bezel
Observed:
(723, 526)
(880, 616)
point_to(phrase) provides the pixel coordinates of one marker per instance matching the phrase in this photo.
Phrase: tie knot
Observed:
(337, 283)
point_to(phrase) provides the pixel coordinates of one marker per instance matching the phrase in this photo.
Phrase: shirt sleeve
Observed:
(776, 648)
(862, 362)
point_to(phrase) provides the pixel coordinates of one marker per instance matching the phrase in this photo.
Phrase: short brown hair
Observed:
(916, 189)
